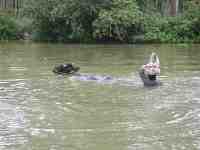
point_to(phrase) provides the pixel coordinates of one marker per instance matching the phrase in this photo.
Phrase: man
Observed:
(149, 72)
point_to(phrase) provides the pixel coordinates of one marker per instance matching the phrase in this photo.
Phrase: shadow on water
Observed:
(39, 110)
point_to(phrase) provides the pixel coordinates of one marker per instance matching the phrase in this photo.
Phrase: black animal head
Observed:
(65, 69)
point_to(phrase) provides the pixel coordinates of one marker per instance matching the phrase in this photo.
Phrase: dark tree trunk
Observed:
(5, 3)
(174, 7)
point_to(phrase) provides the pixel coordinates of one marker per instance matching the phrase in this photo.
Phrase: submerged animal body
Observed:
(97, 78)
(149, 72)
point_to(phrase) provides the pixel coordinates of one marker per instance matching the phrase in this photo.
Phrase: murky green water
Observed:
(42, 111)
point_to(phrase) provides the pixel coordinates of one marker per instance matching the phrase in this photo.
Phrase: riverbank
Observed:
(122, 24)
(14, 28)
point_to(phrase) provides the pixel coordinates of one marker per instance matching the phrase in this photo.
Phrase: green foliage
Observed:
(181, 28)
(49, 21)
(83, 20)
(193, 17)
(24, 27)
(14, 28)
(150, 5)
(111, 20)
(161, 29)
(8, 28)
(63, 20)
(119, 22)
(184, 28)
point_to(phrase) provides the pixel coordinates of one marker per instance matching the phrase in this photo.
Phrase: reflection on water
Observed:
(40, 110)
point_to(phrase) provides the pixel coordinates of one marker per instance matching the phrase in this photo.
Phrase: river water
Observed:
(43, 111)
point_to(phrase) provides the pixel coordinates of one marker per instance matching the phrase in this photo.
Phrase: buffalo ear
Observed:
(75, 69)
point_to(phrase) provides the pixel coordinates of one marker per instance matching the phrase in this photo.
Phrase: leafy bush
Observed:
(170, 29)
(83, 20)
(193, 16)
(182, 28)
(106, 20)
(119, 22)
(63, 20)
(8, 28)
(49, 22)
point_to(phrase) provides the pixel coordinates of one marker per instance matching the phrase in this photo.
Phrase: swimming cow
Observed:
(150, 71)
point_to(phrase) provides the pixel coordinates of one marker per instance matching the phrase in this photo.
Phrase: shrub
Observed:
(8, 28)
(182, 28)
(193, 16)
(105, 20)
(63, 20)
(119, 22)
(169, 29)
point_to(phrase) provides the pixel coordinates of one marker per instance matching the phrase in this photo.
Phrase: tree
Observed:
(172, 7)
(119, 22)
(60, 20)
(165, 7)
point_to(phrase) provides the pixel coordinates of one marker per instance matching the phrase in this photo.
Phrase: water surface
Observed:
(42, 111)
